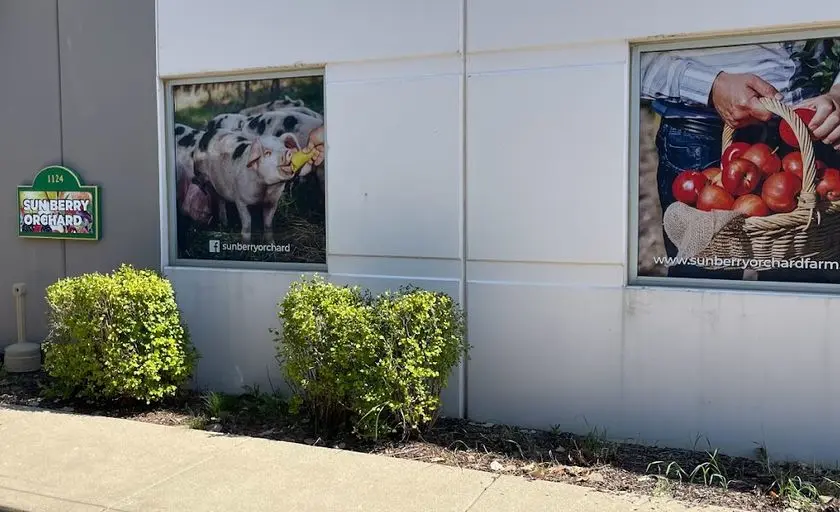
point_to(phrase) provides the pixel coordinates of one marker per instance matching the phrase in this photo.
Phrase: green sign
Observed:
(57, 205)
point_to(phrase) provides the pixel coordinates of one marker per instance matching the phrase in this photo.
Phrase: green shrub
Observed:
(380, 362)
(326, 334)
(117, 336)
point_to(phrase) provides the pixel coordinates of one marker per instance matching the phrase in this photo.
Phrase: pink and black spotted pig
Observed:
(192, 197)
(245, 172)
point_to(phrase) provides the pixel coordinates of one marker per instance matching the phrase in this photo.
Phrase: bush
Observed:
(326, 333)
(378, 362)
(117, 336)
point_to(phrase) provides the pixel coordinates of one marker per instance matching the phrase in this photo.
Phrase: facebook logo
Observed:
(214, 246)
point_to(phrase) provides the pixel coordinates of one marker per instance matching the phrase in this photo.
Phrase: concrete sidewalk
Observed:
(63, 462)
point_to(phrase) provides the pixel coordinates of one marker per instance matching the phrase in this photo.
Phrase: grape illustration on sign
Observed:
(58, 205)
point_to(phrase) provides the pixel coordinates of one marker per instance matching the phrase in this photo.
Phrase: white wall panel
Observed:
(659, 366)
(394, 170)
(545, 164)
(229, 314)
(742, 368)
(545, 355)
(601, 53)
(534, 23)
(545, 274)
(420, 268)
(202, 36)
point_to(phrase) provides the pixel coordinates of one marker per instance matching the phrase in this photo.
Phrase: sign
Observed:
(732, 186)
(57, 205)
(270, 133)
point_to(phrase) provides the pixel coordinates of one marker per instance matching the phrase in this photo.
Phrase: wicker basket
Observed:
(811, 231)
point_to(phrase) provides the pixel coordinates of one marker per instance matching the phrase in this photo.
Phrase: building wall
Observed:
(107, 99)
(33, 141)
(500, 175)
(78, 89)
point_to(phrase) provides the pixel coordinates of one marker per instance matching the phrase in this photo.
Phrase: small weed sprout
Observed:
(217, 405)
(672, 470)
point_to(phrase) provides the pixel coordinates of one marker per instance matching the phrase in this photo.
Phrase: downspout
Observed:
(464, 373)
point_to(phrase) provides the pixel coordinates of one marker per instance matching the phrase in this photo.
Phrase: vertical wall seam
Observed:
(63, 243)
(464, 370)
(161, 96)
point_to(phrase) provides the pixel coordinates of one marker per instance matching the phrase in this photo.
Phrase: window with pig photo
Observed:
(249, 170)
(739, 161)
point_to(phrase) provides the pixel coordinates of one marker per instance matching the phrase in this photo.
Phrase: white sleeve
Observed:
(677, 78)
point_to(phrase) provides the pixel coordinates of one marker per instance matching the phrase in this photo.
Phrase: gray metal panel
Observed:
(30, 139)
(109, 108)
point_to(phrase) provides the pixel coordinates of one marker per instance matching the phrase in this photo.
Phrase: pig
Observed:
(287, 121)
(182, 130)
(246, 172)
(272, 105)
(303, 110)
(284, 104)
(192, 196)
(281, 122)
(186, 137)
(233, 122)
(256, 109)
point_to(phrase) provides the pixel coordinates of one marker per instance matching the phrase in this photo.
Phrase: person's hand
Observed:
(319, 155)
(826, 122)
(735, 97)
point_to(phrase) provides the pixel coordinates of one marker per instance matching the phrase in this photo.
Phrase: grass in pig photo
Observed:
(250, 170)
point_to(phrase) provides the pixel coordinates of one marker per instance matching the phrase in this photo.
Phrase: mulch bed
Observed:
(588, 461)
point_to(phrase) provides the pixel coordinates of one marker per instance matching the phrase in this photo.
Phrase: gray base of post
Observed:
(22, 358)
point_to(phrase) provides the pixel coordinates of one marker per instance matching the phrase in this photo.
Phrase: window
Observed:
(729, 182)
(247, 171)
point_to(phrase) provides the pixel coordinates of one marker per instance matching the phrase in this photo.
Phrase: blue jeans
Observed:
(687, 144)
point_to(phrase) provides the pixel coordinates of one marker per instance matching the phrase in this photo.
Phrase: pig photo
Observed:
(250, 169)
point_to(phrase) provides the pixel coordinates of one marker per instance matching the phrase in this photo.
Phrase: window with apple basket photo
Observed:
(697, 92)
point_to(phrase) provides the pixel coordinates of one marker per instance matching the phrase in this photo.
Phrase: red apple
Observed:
(713, 197)
(821, 166)
(764, 158)
(792, 162)
(773, 165)
(740, 177)
(780, 192)
(785, 130)
(733, 151)
(829, 186)
(687, 186)
(751, 205)
(713, 173)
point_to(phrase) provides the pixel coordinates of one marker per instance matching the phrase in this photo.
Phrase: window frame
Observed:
(636, 48)
(170, 193)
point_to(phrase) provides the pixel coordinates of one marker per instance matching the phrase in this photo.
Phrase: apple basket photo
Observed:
(722, 239)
